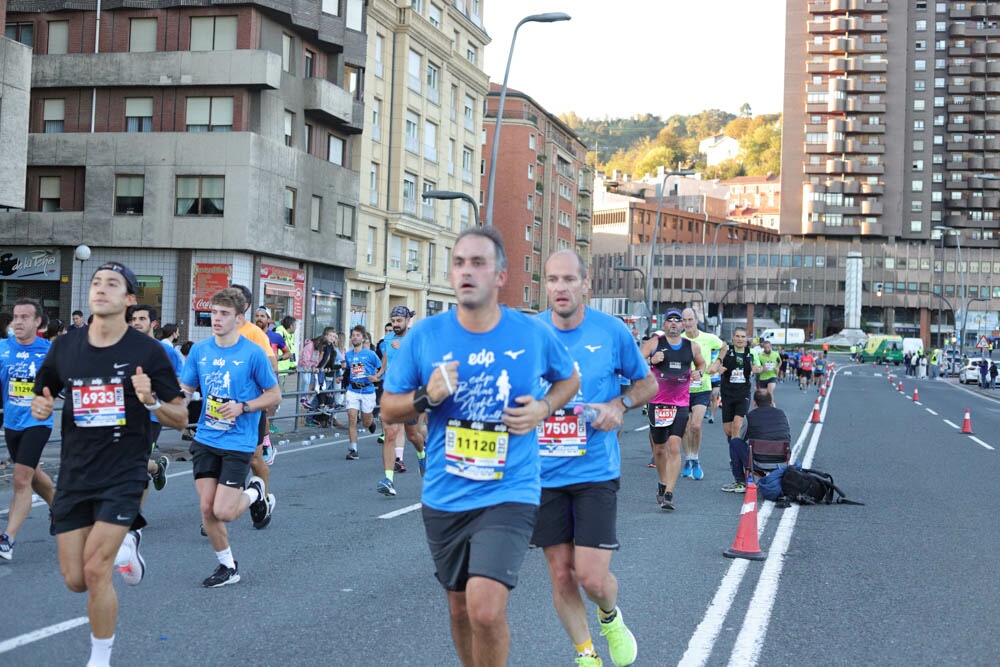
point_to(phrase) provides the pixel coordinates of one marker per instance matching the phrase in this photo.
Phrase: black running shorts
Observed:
(262, 429)
(581, 514)
(734, 407)
(489, 542)
(701, 398)
(117, 504)
(660, 434)
(26, 446)
(228, 467)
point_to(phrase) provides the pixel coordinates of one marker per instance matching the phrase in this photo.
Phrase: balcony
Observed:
(427, 212)
(245, 69)
(327, 102)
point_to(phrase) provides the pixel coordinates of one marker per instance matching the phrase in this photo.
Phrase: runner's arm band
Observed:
(422, 402)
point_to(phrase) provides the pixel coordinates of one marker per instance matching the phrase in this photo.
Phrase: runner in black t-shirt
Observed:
(113, 378)
(737, 369)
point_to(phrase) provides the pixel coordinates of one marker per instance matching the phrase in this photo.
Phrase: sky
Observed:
(606, 61)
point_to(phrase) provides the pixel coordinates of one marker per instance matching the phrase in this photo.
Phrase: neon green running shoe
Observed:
(621, 641)
(588, 661)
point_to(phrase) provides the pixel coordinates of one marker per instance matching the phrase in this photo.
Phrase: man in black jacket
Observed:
(764, 422)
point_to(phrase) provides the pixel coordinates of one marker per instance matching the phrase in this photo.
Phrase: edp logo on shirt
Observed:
(481, 358)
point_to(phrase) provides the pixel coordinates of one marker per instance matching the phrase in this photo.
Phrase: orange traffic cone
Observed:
(887, 368)
(822, 391)
(746, 545)
(891, 378)
(900, 387)
(815, 418)
(916, 396)
(967, 423)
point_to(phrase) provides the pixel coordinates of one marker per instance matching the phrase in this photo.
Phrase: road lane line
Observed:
(918, 403)
(951, 424)
(931, 411)
(401, 511)
(641, 428)
(972, 437)
(21, 640)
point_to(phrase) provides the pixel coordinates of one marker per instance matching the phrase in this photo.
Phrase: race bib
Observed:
(98, 402)
(768, 366)
(20, 391)
(562, 435)
(213, 417)
(663, 415)
(358, 372)
(475, 450)
(737, 377)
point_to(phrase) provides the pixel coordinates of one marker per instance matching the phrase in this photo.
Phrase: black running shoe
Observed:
(665, 500)
(400, 466)
(352, 455)
(372, 427)
(160, 476)
(258, 508)
(223, 575)
(52, 524)
(266, 521)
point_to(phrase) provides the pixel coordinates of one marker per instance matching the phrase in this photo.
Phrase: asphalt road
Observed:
(343, 576)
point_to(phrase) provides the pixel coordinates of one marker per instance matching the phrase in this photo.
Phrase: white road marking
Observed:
(27, 638)
(972, 437)
(847, 372)
(951, 424)
(401, 511)
(931, 411)
(918, 402)
(642, 428)
(878, 375)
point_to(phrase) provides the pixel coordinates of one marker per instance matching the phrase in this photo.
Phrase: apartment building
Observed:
(891, 126)
(424, 91)
(755, 200)
(544, 192)
(200, 143)
(15, 90)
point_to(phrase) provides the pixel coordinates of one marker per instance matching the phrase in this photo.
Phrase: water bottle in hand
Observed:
(587, 413)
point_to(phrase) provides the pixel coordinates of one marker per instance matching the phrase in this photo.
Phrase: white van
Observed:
(778, 336)
(912, 345)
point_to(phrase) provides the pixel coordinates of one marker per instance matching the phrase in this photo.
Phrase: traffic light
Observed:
(878, 289)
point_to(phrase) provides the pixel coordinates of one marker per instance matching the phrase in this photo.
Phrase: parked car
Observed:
(970, 371)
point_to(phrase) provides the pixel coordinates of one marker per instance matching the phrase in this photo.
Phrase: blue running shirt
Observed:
(604, 352)
(361, 365)
(18, 365)
(238, 373)
(472, 462)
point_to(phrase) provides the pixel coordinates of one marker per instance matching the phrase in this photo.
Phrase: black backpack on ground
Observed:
(811, 487)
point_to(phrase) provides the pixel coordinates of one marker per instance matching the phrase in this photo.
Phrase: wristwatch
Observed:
(627, 402)
(246, 407)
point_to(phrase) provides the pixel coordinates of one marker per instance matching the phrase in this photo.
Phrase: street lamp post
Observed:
(961, 272)
(715, 256)
(649, 310)
(701, 298)
(548, 17)
(453, 194)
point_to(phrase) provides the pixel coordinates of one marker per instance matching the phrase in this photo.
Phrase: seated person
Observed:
(764, 422)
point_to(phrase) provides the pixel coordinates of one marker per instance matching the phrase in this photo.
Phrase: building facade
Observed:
(15, 91)
(755, 200)
(424, 91)
(891, 122)
(544, 191)
(199, 143)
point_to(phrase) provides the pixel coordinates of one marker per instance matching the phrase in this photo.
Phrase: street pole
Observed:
(652, 250)
(715, 256)
(940, 304)
(549, 17)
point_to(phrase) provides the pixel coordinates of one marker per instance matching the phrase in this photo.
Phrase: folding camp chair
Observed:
(766, 455)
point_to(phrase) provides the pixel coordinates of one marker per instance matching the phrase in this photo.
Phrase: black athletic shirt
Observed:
(735, 366)
(97, 381)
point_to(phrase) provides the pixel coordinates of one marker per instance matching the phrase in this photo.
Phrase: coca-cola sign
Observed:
(208, 279)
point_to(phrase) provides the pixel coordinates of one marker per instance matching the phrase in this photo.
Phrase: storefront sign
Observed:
(29, 264)
(284, 281)
(209, 279)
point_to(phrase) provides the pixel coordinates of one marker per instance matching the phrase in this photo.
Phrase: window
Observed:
(376, 119)
(331, 7)
(531, 171)
(315, 208)
(373, 185)
(918, 125)
(21, 32)
(417, 5)
(345, 222)
(918, 165)
(355, 14)
(286, 53)
(395, 252)
(431, 258)
(531, 202)
(142, 35)
(919, 84)
(372, 244)
(139, 114)
(454, 102)
(48, 193)
(435, 16)
(412, 255)
(470, 52)
(309, 66)
(413, 71)
(921, 25)
(919, 105)
(289, 127)
(335, 150)
(209, 114)
(430, 141)
(409, 192)
(428, 204)
(527, 232)
(58, 37)
(290, 207)
(129, 195)
(354, 78)
(411, 132)
(432, 74)
(531, 142)
(308, 138)
(526, 295)
(920, 65)
(467, 164)
(200, 195)
(379, 48)
(54, 116)
(470, 106)
(451, 157)
(213, 33)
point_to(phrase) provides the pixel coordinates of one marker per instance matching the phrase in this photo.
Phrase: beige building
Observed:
(15, 91)
(424, 93)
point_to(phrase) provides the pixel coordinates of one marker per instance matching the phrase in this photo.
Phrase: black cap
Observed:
(131, 283)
